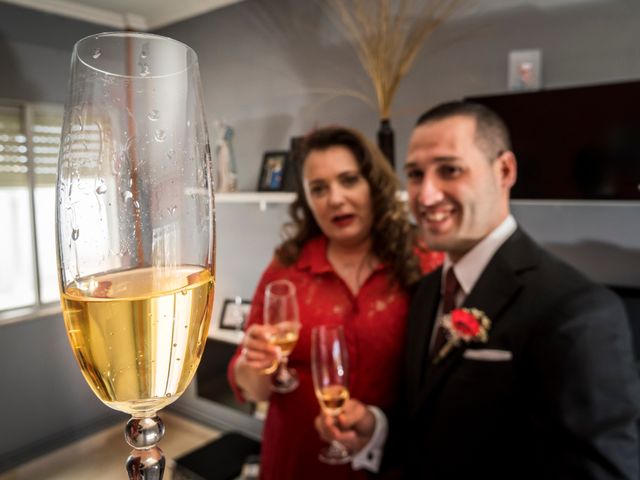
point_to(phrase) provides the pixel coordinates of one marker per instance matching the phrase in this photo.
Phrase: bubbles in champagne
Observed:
(75, 233)
(153, 115)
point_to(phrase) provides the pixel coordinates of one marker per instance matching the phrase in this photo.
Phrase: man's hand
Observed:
(353, 428)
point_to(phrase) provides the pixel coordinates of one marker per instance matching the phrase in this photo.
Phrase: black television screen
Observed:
(574, 143)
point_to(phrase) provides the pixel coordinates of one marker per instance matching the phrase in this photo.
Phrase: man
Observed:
(548, 389)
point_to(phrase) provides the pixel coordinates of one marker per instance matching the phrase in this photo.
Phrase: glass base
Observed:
(146, 461)
(334, 454)
(285, 381)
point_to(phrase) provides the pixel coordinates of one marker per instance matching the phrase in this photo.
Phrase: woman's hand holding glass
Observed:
(258, 352)
(282, 320)
(266, 347)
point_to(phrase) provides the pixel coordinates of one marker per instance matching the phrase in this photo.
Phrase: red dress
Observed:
(374, 327)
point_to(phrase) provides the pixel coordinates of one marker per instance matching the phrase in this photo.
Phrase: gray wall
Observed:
(264, 64)
(35, 51)
(44, 401)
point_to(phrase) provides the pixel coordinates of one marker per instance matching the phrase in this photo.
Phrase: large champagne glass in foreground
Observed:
(282, 317)
(135, 228)
(330, 372)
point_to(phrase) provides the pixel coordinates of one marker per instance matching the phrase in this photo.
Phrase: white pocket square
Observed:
(488, 355)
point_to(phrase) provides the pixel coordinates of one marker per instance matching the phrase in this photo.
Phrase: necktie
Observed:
(451, 288)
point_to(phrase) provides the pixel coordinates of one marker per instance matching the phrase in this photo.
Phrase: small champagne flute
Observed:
(135, 228)
(330, 371)
(281, 315)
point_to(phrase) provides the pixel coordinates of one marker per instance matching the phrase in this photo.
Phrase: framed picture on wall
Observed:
(272, 173)
(235, 312)
(525, 70)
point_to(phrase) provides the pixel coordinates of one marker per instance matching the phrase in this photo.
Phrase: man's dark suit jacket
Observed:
(564, 407)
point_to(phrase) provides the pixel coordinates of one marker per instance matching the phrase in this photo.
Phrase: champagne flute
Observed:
(330, 372)
(281, 315)
(135, 228)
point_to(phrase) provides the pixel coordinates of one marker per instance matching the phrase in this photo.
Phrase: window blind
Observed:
(13, 148)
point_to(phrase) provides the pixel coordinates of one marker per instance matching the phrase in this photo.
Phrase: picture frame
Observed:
(235, 312)
(273, 171)
(525, 70)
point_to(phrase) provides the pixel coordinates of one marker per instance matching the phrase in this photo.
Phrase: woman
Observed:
(352, 256)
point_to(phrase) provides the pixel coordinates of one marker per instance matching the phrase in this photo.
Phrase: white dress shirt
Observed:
(467, 270)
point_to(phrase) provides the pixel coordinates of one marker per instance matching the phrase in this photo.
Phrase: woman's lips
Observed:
(343, 220)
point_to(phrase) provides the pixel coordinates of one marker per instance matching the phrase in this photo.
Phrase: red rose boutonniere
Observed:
(464, 325)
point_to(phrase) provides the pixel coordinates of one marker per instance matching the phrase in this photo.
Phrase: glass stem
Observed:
(283, 371)
(337, 447)
(146, 461)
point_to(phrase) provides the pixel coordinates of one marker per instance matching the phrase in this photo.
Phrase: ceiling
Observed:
(139, 15)
(144, 15)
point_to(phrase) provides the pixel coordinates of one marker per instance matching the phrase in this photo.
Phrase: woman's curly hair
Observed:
(393, 237)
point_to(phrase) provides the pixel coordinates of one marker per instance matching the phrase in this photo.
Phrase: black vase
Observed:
(385, 140)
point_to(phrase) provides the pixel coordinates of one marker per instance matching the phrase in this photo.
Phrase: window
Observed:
(29, 145)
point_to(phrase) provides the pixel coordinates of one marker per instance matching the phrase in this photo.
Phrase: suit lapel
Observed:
(421, 322)
(494, 290)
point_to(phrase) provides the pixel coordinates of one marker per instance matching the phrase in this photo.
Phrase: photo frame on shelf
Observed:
(235, 312)
(273, 171)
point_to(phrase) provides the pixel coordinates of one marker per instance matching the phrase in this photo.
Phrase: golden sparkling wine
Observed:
(285, 336)
(332, 398)
(271, 368)
(138, 335)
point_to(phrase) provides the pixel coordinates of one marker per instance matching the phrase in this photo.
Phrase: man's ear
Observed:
(507, 168)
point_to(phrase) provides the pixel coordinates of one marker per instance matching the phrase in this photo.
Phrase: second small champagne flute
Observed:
(330, 371)
(281, 314)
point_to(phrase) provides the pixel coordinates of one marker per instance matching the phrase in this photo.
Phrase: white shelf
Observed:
(255, 197)
(263, 199)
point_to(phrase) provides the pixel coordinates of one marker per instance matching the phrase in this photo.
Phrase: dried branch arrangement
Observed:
(387, 36)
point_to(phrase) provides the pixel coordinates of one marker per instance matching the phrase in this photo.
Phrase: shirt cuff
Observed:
(370, 456)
